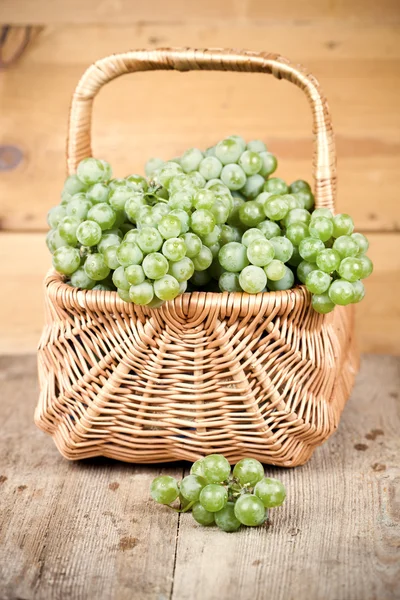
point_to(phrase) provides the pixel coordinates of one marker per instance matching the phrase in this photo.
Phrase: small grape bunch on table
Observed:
(217, 495)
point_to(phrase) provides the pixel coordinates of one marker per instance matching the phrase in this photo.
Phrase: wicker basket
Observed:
(262, 376)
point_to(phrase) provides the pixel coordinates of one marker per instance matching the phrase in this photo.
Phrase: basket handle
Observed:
(183, 59)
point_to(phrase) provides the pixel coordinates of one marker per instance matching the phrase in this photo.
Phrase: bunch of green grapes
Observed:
(215, 495)
(213, 220)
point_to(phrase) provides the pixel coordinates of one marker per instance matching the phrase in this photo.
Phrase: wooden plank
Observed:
(69, 530)
(164, 113)
(338, 534)
(126, 11)
(88, 530)
(25, 260)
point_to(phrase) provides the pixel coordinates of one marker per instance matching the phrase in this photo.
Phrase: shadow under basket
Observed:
(242, 375)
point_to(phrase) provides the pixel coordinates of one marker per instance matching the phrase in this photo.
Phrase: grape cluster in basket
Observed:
(215, 495)
(213, 221)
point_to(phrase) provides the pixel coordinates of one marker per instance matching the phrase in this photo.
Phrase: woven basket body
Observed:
(262, 376)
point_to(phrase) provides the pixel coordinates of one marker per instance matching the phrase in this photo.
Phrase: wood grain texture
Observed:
(150, 114)
(88, 530)
(25, 261)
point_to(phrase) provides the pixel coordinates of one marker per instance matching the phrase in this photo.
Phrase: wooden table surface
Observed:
(88, 530)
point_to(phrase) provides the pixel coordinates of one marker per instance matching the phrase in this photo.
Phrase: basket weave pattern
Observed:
(262, 376)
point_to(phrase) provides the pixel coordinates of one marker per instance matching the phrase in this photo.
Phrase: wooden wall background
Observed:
(352, 46)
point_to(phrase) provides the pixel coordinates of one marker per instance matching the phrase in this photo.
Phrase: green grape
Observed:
(285, 283)
(166, 288)
(120, 279)
(152, 165)
(99, 192)
(155, 265)
(256, 146)
(293, 201)
(155, 303)
(174, 249)
(142, 293)
(121, 195)
(276, 207)
(191, 486)
(216, 468)
(359, 291)
(54, 240)
(251, 214)
(164, 489)
(67, 229)
(234, 219)
(250, 510)
(253, 186)
(351, 269)
(322, 212)
(321, 228)
(182, 269)
(133, 205)
(275, 185)
(137, 183)
(73, 185)
(80, 279)
(92, 170)
(149, 240)
(250, 235)
(239, 140)
(200, 278)
(260, 252)
(184, 219)
(303, 269)
(229, 282)
(120, 221)
(210, 151)
(124, 295)
(263, 198)
(131, 235)
(159, 211)
(213, 497)
(252, 279)
(271, 492)
(233, 176)
(203, 259)
(102, 287)
(202, 222)
(367, 266)
(296, 232)
(201, 515)
(283, 248)
(204, 199)
(193, 244)
(269, 164)
(96, 267)
(115, 183)
(129, 253)
(197, 467)
(250, 162)
(225, 518)
(228, 151)
(345, 246)
(230, 234)
(196, 179)
(269, 229)
(191, 159)
(361, 242)
(221, 210)
(145, 217)
(322, 303)
(233, 257)
(317, 282)
(111, 257)
(107, 169)
(55, 216)
(306, 199)
(310, 247)
(299, 186)
(341, 292)
(248, 471)
(295, 259)
(108, 239)
(328, 260)
(275, 270)
(134, 274)
(210, 167)
(213, 237)
(103, 215)
(66, 260)
(181, 199)
(166, 174)
(180, 182)
(342, 225)
(297, 215)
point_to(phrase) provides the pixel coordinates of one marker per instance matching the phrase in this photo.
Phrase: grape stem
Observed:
(181, 510)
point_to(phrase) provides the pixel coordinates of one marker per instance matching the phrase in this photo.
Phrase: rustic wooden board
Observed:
(88, 530)
(25, 260)
(163, 113)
